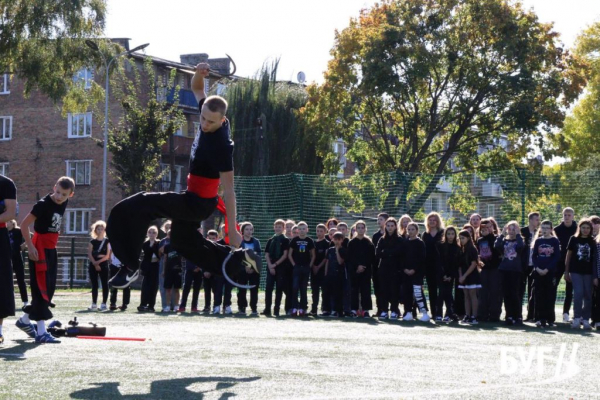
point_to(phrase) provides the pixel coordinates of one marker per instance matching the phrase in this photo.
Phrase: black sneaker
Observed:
(334, 314)
(366, 314)
(474, 321)
(124, 278)
(509, 322)
(112, 307)
(123, 307)
(325, 314)
(518, 322)
(142, 309)
(266, 313)
(276, 312)
(241, 311)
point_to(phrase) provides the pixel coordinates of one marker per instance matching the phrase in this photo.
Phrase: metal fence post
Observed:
(72, 264)
(522, 173)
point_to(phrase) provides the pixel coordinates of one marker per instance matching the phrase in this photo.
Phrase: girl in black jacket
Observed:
(413, 272)
(388, 252)
(149, 269)
(448, 251)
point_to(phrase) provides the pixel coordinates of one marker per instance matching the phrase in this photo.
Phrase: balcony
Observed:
(489, 189)
(186, 97)
(444, 186)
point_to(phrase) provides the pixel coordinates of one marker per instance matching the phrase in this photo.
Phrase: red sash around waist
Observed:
(206, 188)
(2, 225)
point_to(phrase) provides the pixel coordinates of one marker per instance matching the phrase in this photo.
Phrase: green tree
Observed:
(270, 139)
(419, 86)
(578, 140)
(42, 42)
(146, 123)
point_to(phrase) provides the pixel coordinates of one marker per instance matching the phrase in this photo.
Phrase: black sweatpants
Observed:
(300, 286)
(490, 295)
(445, 296)
(511, 283)
(242, 300)
(389, 280)
(542, 290)
(208, 286)
(19, 271)
(595, 304)
(459, 300)
(288, 285)
(192, 280)
(316, 285)
(431, 277)
(275, 282)
(560, 271)
(94, 275)
(222, 290)
(361, 291)
(39, 309)
(377, 287)
(150, 285)
(412, 288)
(113, 291)
(333, 292)
(525, 290)
(130, 218)
(7, 296)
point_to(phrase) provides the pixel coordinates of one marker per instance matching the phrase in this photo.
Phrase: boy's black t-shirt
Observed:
(276, 245)
(321, 247)
(98, 252)
(301, 250)
(582, 257)
(151, 251)
(48, 215)
(212, 152)
(564, 233)
(173, 259)
(8, 191)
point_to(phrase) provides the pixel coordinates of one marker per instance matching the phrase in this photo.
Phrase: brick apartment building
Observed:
(38, 145)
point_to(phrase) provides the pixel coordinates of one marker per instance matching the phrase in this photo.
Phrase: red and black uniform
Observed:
(43, 272)
(212, 153)
(8, 191)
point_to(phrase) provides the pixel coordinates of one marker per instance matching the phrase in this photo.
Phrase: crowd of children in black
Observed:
(470, 271)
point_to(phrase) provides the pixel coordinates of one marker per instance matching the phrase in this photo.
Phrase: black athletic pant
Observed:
(222, 290)
(526, 291)
(459, 300)
(377, 287)
(39, 309)
(490, 295)
(274, 282)
(316, 285)
(560, 271)
(149, 286)
(361, 288)
(288, 285)
(130, 218)
(113, 291)
(389, 279)
(7, 296)
(412, 288)
(445, 296)
(333, 292)
(431, 277)
(19, 271)
(511, 283)
(595, 304)
(193, 280)
(242, 300)
(300, 286)
(208, 284)
(94, 275)
(542, 290)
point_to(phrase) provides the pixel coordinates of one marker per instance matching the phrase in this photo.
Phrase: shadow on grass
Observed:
(17, 353)
(166, 389)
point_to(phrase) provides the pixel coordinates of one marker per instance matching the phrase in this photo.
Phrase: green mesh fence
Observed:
(506, 195)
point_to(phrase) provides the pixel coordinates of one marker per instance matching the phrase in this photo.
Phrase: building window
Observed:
(196, 128)
(78, 221)
(80, 171)
(165, 182)
(4, 169)
(85, 76)
(491, 210)
(436, 204)
(80, 273)
(5, 128)
(80, 125)
(4, 84)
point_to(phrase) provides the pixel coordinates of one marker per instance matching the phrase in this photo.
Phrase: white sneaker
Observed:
(586, 324)
(393, 315)
(93, 307)
(25, 304)
(538, 324)
(217, 310)
(228, 310)
(576, 323)
(167, 309)
(425, 317)
(103, 307)
(408, 317)
(566, 317)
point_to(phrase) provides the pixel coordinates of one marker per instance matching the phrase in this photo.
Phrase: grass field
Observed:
(217, 357)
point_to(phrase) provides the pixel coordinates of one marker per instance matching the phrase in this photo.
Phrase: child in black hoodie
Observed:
(448, 251)
(413, 268)
(490, 295)
(388, 252)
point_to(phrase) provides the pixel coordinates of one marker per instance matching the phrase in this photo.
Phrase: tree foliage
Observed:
(421, 86)
(146, 123)
(269, 138)
(42, 42)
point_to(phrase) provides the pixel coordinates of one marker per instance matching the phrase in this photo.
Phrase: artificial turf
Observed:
(191, 356)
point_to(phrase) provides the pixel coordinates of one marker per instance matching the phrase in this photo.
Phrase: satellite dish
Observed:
(301, 77)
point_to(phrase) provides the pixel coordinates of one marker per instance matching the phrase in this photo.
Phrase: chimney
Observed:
(122, 41)
(193, 59)
(220, 65)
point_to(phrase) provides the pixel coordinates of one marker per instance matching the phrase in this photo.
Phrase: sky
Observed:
(300, 33)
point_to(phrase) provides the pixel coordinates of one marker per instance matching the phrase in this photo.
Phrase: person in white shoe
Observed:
(8, 210)
(98, 256)
(413, 271)
(468, 274)
(579, 266)
(388, 252)
(545, 254)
